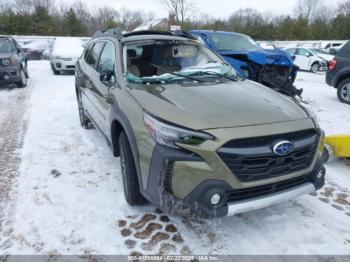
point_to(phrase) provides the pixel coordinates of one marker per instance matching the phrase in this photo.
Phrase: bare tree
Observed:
(308, 9)
(344, 8)
(181, 9)
(24, 7)
(104, 18)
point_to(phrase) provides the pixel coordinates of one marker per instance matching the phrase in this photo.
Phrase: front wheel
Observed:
(54, 71)
(23, 79)
(130, 180)
(315, 68)
(344, 91)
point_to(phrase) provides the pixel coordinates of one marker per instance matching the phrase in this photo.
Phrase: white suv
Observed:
(310, 59)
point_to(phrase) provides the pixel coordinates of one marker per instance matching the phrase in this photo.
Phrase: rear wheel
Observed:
(344, 91)
(130, 180)
(84, 120)
(23, 79)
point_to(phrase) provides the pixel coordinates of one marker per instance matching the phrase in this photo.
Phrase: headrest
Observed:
(132, 53)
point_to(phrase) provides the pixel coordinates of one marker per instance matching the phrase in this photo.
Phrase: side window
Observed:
(302, 52)
(94, 53)
(291, 51)
(107, 59)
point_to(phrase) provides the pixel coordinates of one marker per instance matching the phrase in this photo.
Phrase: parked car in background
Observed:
(310, 59)
(272, 68)
(338, 74)
(333, 46)
(335, 50)
(35, 50)
(13, 63)
(65, 52)
(193, 137)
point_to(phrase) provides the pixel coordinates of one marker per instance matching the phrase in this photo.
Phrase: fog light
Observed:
(6, 77)
(215, 199)
(321, 173)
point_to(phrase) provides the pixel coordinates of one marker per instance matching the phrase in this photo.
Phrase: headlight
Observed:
(167, 135)
(6, 62)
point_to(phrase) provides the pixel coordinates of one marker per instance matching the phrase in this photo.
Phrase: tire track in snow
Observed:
(12, 131)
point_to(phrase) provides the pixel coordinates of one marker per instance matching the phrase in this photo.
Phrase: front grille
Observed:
(252, 159)
(248, 193)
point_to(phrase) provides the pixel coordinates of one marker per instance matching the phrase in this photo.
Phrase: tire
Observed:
(130, 180)
(54, 71)
(84, 120)
(315, 67)
(344, 91)
(26, 71)
(23, 82)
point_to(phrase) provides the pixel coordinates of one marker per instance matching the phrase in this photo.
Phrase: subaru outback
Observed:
(193, 137)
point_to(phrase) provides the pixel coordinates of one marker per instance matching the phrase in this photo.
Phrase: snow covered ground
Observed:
(64, 190)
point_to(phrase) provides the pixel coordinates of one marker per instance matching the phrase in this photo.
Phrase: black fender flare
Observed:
(341, 75)
(118, 115)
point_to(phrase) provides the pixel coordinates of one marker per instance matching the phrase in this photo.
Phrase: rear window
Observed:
(345, 51)
(5, 45)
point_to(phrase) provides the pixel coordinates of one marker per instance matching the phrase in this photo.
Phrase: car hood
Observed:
(230, 104)
(262, 56)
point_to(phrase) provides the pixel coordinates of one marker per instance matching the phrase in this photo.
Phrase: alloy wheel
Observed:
(345, 92)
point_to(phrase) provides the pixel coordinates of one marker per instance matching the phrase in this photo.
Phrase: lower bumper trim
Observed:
(269, 200)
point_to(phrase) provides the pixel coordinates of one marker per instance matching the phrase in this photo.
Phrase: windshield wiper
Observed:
(213, 73)
(176, 74)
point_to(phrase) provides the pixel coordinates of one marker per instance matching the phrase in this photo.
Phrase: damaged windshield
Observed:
(234, 42)
(169, 61)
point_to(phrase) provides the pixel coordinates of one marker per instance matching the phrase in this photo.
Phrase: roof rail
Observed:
(156, 32)
(113, 32)
(184, 34)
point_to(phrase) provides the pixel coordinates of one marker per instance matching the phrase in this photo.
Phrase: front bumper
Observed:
(9, 75)
(182, 181)
(64, 65)
(233, 201)
(269, 200)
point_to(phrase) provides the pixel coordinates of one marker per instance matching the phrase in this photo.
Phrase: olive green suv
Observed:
(193, 137)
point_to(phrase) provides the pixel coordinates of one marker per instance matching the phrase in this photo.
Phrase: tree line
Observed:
(311, 19)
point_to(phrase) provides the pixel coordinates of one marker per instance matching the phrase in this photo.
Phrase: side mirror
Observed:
(107, 77)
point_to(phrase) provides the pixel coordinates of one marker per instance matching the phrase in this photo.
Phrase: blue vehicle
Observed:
(272, 68)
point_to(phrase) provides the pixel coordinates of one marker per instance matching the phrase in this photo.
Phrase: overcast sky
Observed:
(216, 8)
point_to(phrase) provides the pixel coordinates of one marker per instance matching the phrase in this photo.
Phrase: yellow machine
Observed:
(340, 145)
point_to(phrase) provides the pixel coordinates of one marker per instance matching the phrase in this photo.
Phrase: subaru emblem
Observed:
(283, 148)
